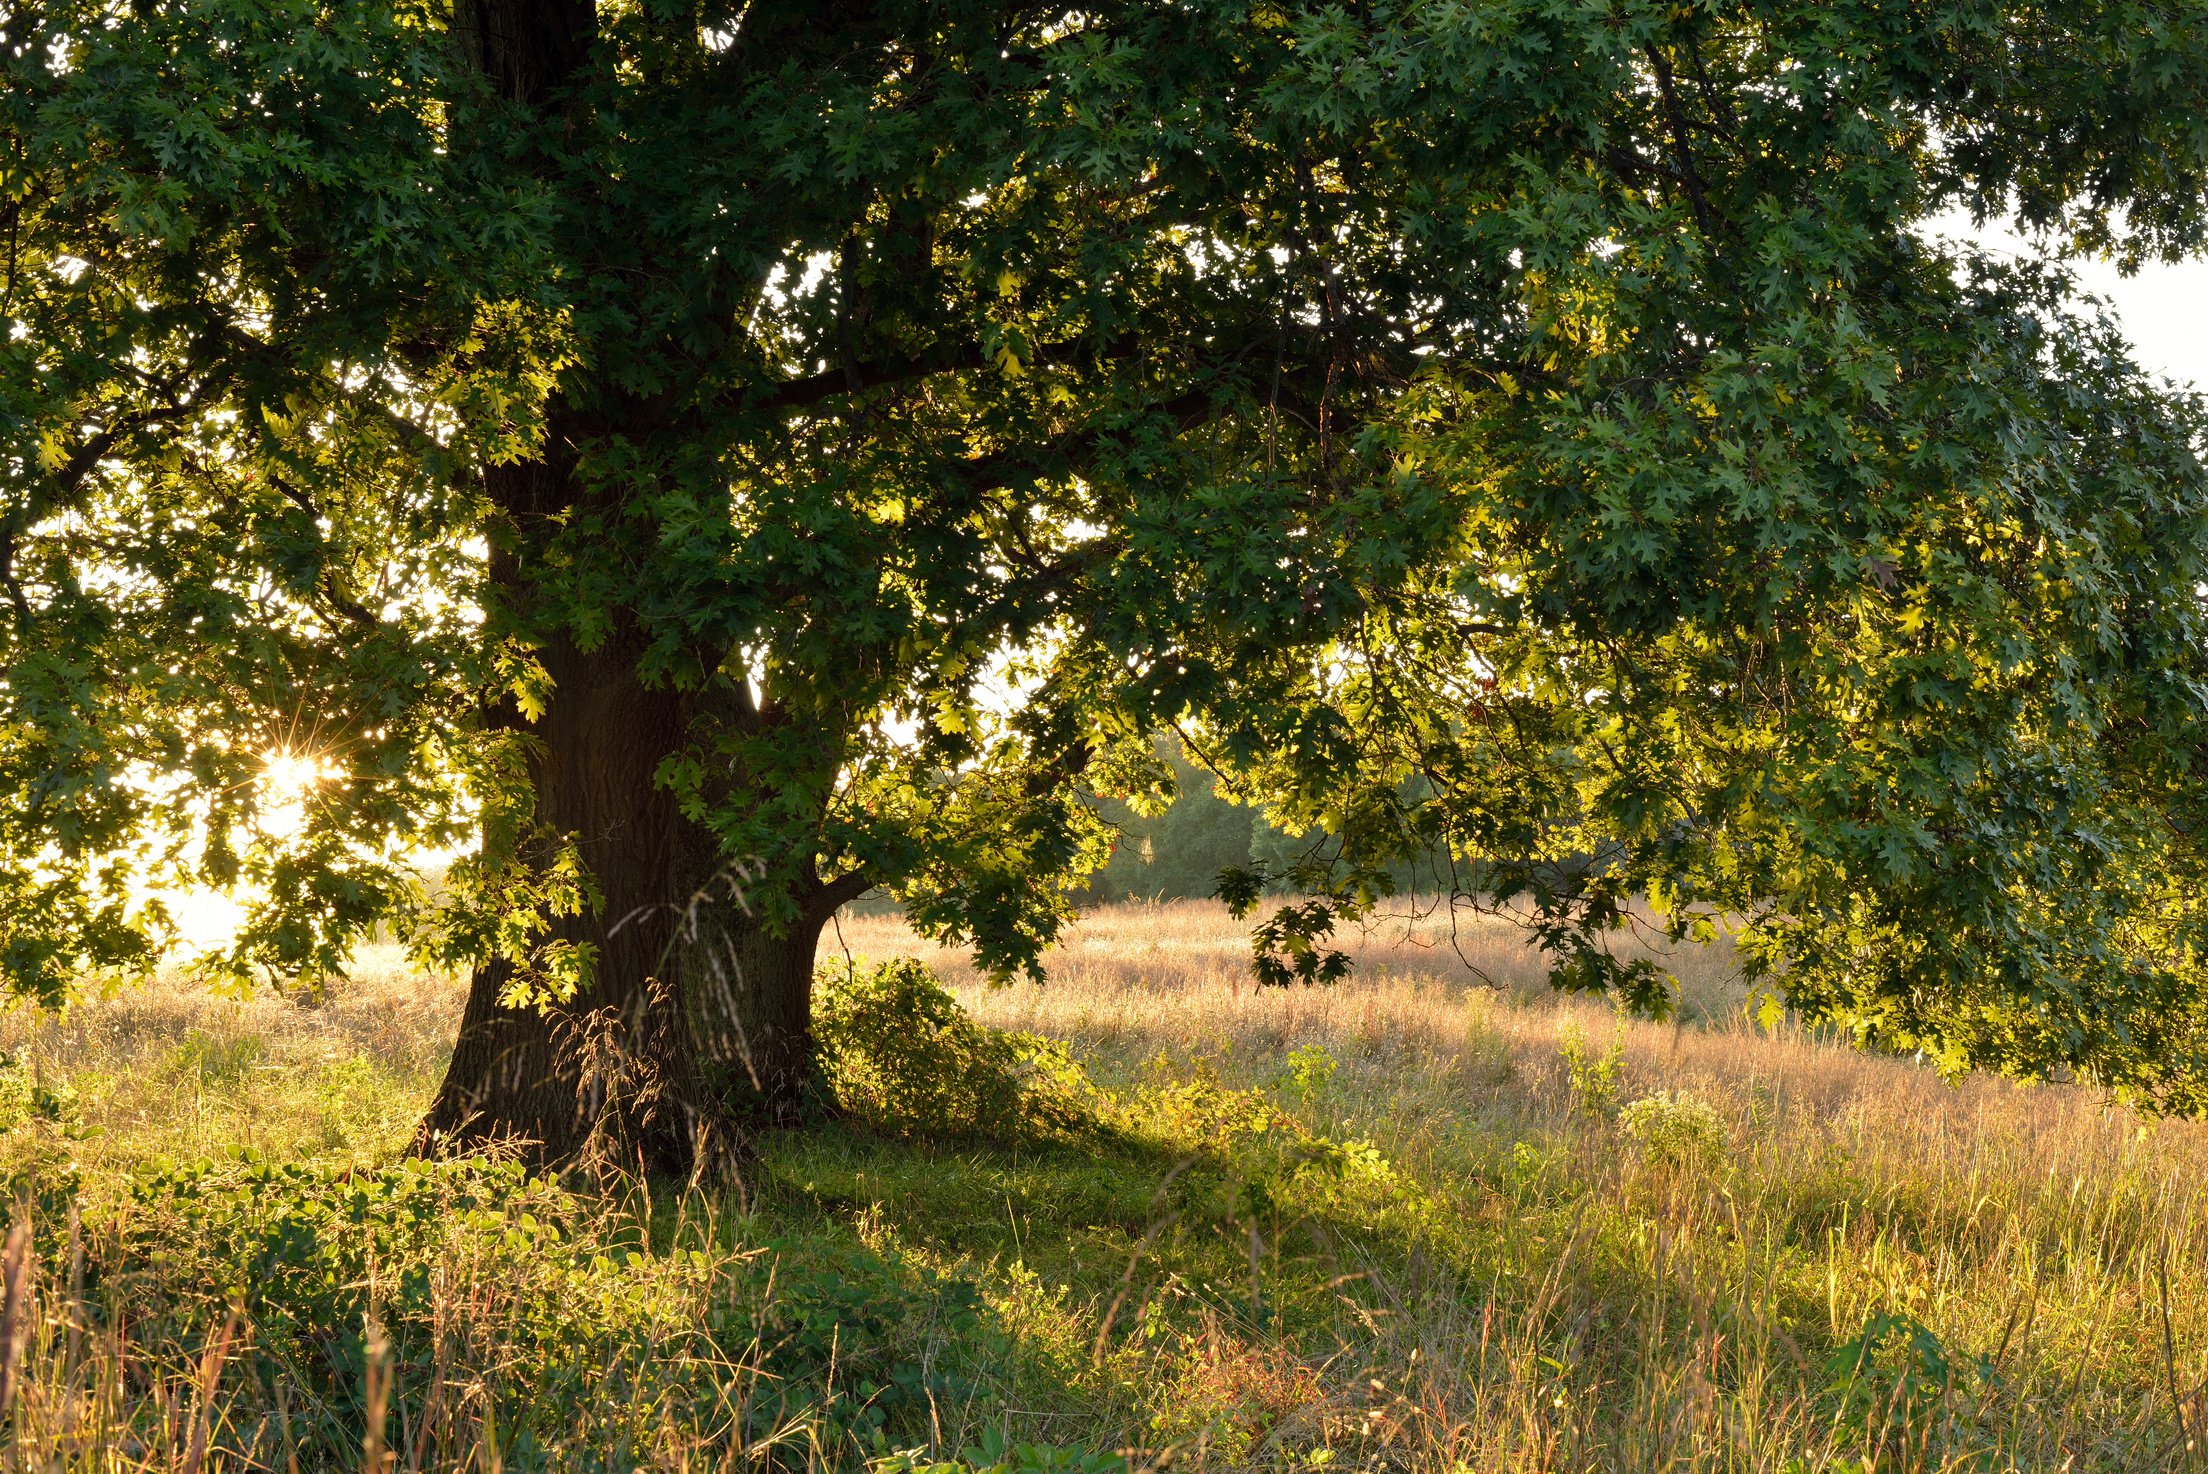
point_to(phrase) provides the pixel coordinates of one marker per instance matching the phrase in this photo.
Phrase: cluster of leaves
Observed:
(1289, 946)
(898, 1052)
(1675, 1128)
(219, 538)
(1807, 568)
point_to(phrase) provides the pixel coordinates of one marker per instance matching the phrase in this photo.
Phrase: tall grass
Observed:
(1568, 1303)
(1410, 1222)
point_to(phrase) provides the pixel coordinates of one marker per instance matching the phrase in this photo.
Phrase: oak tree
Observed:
(700, 460)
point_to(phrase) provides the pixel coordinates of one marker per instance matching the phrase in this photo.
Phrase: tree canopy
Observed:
(701, 457)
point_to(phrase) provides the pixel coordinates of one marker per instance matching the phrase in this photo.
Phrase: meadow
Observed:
(1144, 1216)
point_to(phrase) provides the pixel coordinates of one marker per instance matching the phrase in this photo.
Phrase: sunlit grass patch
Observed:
(1404, 1223)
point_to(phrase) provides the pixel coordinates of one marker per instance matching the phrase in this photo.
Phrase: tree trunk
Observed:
(696, 1023)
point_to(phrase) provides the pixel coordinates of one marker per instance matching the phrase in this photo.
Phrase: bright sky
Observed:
(209, 919)
(2164, 309)
(2165, 314)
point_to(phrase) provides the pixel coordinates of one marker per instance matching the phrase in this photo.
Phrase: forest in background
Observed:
(1177, 855)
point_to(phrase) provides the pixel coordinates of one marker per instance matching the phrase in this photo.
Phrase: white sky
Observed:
(2165, 314)
(2164, 309)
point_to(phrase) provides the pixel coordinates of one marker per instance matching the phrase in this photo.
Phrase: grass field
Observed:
(1410, 1222)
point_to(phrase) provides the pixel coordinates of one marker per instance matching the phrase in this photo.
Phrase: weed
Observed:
(1894, 1387)
(1308, 1072)
(213, 1060)
(1593, 1077)
(1675, 1129)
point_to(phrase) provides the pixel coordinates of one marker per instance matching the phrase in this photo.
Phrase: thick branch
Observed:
(1682, 142)
(93, 451)
(835, 894)
(1070, 454)
(340, 601)
(795, 394)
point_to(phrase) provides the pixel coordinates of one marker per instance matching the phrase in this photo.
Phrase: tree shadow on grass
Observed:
(1123, 1297)
(1104, 1270)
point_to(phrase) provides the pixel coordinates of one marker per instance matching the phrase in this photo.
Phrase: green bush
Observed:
(900, 1054)
(26, 1097)
(1594, 1076)
(1675, 1129)
(297, 1246)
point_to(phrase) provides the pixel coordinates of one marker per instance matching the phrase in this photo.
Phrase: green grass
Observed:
(1405, 1223)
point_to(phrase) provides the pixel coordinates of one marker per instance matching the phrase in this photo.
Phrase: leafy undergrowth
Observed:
(1406, 1228)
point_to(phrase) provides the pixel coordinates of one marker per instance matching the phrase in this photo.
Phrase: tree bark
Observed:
(696, 1023)
(526, 49)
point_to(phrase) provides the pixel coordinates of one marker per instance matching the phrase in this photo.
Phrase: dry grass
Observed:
(1373, 1226)
(167, 1069)
(1638, 1316)
(1183, 946)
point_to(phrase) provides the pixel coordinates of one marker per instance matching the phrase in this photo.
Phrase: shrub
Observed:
(900, 1053)
(297, 1245)
(24, 1096)
(1308, 1073)
(1675, 1129)
(1594, 1077)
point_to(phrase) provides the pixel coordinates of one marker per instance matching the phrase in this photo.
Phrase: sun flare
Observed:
(205, 918)
(288, 778)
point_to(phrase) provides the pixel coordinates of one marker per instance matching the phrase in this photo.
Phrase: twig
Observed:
(15, 1262)
(2169, 1345)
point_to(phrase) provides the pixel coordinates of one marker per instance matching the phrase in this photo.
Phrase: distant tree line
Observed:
(1178, 855)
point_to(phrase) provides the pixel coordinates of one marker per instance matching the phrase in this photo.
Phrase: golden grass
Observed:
(168, 1069)
(2039, 1227)
(1181, 945)
(1509, 1282)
